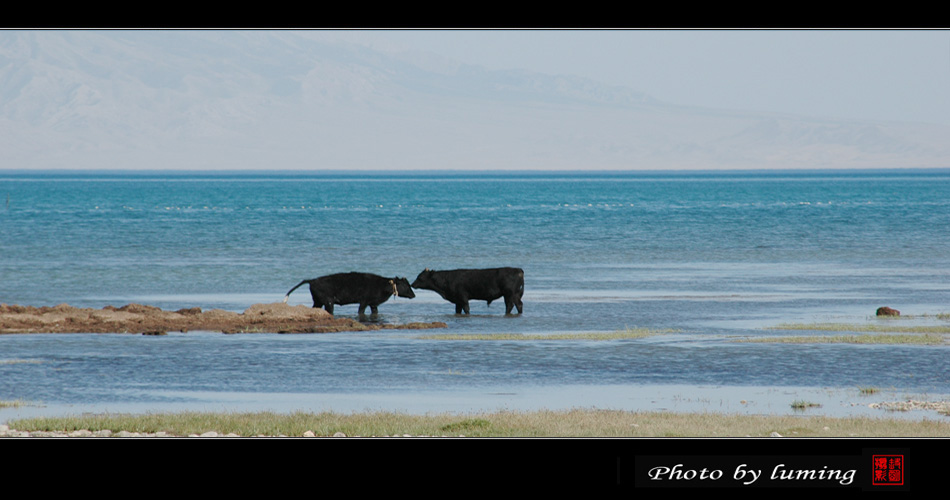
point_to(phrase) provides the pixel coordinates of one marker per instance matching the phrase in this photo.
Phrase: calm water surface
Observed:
(714, 256)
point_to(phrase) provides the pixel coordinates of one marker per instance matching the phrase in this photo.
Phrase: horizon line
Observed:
(468, 171)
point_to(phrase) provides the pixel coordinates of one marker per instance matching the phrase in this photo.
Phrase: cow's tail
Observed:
(294, 288)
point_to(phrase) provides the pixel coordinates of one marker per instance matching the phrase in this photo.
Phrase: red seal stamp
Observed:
(887, 470)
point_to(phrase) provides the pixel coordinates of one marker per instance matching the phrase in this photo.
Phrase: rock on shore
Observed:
(887, 311)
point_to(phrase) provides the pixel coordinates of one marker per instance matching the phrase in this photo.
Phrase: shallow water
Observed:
(715, 257)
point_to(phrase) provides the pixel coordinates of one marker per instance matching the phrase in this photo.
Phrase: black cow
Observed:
(461, 285)
(354, 288)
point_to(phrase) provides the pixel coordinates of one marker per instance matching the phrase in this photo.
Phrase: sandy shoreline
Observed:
(149, 320)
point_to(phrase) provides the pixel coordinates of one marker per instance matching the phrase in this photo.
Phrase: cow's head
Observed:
(402, 288)
(424, 280)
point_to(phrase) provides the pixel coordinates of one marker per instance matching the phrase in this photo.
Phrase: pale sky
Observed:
(154, 98)
(899, 75)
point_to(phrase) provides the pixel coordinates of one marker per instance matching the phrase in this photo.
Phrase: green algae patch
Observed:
(863, 327)
(628, 333)
(907, 339)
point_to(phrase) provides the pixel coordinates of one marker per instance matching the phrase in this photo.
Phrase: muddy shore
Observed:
(149, 320)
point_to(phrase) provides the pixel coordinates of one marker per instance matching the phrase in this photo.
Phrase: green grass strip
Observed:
(572, 423)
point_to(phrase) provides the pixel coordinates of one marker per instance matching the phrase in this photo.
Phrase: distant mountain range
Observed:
(282, 100)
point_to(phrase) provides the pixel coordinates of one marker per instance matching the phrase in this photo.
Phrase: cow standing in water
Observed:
(355, 288)
(461, 285)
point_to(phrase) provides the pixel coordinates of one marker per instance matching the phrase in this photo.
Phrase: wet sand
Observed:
(149, 320)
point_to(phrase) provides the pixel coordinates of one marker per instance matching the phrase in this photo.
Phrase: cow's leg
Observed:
(509, 304)
(329, 307)
(362, 310)
(465, 306)
(374, 309)
(458, 308)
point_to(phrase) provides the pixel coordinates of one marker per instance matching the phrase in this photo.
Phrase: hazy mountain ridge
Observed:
(197, 99)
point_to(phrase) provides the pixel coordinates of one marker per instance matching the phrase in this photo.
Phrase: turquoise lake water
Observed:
(714, 256)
